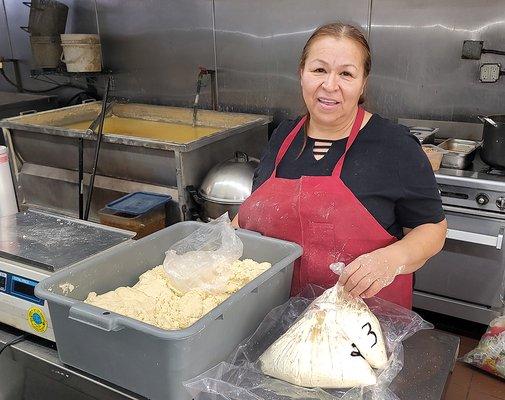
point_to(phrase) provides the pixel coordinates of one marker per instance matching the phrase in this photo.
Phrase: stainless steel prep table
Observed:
(37, 373)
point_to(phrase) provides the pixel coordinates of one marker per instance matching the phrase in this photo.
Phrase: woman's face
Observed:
(333, 79)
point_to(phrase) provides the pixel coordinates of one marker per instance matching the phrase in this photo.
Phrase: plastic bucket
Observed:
(80, 38)
(47, 17)
(145, 359)
(81, 53)
(46, 51)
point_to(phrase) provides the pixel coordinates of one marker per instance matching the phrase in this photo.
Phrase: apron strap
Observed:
(350, 140)
(287, 142)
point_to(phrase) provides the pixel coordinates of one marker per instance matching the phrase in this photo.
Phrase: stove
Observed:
(479, 187)
(467, 278)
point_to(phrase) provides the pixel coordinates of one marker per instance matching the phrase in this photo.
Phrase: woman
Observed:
(347, 185)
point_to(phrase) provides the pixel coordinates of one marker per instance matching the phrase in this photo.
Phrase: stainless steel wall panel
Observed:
(155, 48)
(417, 68)
(17, 15)
(258, 45)
(81, 16)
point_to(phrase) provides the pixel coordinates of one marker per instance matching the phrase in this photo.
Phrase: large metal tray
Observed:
(143, 358)
(44, 155)
(460, 153)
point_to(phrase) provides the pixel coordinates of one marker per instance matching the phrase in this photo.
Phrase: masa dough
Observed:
(335, 344)
(154, 300)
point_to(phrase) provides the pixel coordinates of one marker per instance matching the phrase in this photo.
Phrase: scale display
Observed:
(19, 287)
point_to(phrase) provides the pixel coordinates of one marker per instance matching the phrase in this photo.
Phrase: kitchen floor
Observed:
(467, 382)
(470, 383)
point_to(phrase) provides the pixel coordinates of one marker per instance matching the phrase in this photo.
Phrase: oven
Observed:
(467, 278)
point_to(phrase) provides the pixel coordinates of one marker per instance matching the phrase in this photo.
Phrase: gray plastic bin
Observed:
(143, 358)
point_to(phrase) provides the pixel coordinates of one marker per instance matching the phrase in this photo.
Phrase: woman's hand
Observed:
(371, 272)
(368, 274)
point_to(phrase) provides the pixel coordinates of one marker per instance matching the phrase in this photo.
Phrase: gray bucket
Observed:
(47, 18)
(145, 359)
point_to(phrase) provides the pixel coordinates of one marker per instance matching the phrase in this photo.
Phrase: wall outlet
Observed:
(490, 72)
(472, 49)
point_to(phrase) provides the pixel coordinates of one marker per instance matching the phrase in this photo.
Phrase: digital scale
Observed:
(35, 244)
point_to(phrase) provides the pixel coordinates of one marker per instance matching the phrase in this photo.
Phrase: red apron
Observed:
(323, 216)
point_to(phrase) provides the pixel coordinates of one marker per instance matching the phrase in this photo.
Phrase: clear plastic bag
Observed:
(489, 355)
(241, 376)
(201, 260)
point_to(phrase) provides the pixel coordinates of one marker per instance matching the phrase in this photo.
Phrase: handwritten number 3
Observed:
(370, 332)
(356, 352)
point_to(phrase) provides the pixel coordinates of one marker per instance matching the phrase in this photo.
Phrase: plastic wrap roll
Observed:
(8, 203)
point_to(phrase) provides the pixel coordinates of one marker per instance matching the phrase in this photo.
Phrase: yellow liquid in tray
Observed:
(166, 131)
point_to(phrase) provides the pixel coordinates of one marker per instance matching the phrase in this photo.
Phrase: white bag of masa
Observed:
(246, 374)
(335, 344)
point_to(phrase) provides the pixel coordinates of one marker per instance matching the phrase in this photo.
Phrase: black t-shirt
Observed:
(385, 168)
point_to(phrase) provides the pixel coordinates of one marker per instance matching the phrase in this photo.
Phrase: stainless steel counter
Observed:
(32, 370)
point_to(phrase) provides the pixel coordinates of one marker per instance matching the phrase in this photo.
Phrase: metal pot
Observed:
(493, 140)
(47, 18)
(225, 187)
(46, 51)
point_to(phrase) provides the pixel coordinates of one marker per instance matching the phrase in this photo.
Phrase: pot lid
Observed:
(230, 182)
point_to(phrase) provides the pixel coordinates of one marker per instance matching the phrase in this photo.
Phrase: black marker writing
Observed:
(370, 332)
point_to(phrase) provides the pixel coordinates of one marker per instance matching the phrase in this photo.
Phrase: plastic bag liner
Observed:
(200, 260)
(489, 355)
(240, 377)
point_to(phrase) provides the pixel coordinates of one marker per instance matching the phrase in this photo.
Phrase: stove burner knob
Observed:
(500, 203)
(482, 199)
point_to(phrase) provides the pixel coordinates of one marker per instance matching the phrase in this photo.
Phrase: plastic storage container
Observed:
(434, 154)
(138, 203)
(140, 212)
(142, 225)
(143, 358)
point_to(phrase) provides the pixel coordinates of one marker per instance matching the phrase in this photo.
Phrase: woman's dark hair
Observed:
(338, 30)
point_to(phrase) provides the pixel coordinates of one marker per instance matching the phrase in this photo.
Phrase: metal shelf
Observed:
(62, 72)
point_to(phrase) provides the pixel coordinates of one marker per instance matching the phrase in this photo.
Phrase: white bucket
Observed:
(79, 38)
(8, 205)
(81, 52)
